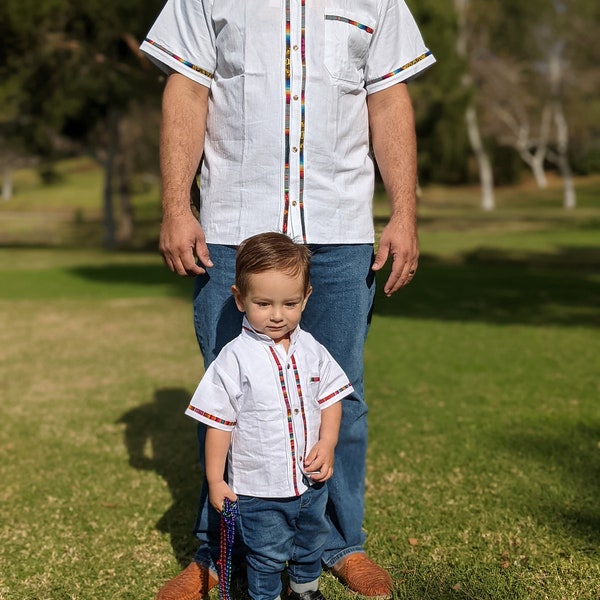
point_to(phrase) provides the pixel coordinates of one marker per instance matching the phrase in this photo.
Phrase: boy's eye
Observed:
(292, 304)
(262, 304)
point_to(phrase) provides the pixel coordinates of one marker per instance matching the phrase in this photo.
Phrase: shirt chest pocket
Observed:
(347, 42)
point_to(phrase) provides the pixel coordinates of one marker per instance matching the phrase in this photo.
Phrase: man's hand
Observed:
(398, 240)
(181, 242)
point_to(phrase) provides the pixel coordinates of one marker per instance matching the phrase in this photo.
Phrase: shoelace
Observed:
(228, 515)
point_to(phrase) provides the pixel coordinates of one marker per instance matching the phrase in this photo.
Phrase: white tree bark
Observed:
(486, 176)
(7, 184)
(562, 157)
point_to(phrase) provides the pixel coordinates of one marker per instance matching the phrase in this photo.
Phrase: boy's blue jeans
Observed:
(338, 315)
(278, 530)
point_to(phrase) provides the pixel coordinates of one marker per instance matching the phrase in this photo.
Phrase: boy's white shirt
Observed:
(271, 401)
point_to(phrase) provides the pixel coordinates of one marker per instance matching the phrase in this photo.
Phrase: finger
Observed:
(381, 257)
(399, 278)
(393, 282)
(203, 254)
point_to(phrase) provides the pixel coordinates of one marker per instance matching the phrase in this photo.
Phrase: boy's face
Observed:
(273, 303)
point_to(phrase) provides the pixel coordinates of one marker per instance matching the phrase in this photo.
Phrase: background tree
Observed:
(78, 71)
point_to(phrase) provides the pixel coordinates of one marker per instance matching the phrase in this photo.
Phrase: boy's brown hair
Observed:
(271, 252)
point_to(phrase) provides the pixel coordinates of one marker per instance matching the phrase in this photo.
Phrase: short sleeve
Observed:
(333, 381)
(397, 51)
(214, 402)
(182, 40)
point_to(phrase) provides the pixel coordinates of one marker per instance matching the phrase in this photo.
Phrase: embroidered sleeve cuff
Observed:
(209, 419)
(169, 61)
(403, 73)
(336, 396)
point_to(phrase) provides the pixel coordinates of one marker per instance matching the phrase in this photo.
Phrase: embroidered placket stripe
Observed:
(187, 63)
(330, 396)
(289, 418)
(288, 110)
(350, 22)
(211, 417)
(302, 121)
(302, 410)
(403, 68)
(288, 83)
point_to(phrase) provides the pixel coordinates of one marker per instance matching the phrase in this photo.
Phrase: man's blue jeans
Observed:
(278, 530)
(338, 315)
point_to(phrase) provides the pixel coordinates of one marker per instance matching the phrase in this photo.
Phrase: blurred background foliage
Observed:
(514, 93)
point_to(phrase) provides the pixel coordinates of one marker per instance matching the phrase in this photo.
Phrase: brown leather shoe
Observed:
(193, 583)
(363, 576)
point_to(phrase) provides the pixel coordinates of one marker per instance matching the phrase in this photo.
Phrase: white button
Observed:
(294, 149)
(294, 203)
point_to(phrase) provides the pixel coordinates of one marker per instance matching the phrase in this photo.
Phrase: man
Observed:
(277, 98)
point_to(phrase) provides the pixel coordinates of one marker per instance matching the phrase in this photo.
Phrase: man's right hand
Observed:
(183, 245)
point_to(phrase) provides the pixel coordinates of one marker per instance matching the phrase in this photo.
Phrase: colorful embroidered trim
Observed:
(211, 417)
(403, 68)
(179, 59)
(301, 398)
(288, 83)
(350, 22)
(289, 418)
(288, 98)
(334, 394)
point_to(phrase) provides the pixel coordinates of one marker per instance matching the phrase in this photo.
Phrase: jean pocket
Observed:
(347, 42)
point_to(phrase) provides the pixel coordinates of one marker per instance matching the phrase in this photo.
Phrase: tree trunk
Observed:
(109, 174)
(7, 184)
(126, 220)
(486, 175)
(562, 134)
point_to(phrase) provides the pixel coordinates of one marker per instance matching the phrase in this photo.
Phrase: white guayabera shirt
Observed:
(271, 401)
(287, 138)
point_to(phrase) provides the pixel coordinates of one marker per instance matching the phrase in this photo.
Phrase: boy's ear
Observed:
(306, 297)
(237, 296)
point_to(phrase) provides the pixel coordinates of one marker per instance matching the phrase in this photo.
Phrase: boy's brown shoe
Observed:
(193, 583)
(363, 576)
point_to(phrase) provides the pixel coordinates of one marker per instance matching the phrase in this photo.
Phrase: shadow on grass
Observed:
(171, 436)
(568, 454)
(486, 285)
(503, 287)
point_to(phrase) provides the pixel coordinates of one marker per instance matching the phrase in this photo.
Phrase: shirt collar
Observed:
(248, 330)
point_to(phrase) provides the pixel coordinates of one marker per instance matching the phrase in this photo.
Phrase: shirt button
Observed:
(295, 96)
(296, 411)
(294, 149)
(295, 47)
(294, 203)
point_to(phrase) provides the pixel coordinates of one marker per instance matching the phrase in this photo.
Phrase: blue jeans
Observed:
(338, 314)
(280, 533)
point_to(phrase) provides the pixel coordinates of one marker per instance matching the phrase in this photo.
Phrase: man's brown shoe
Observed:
(193, 583)
(363, 576)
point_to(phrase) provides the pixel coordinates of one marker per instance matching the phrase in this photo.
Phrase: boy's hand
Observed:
(217, 492)
(320, 458)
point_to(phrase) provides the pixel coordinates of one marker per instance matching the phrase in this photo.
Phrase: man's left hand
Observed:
(398, 240)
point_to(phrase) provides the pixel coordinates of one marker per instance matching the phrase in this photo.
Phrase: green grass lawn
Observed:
(482, 381)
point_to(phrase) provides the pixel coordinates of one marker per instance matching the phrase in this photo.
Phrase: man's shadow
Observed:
(160, 438)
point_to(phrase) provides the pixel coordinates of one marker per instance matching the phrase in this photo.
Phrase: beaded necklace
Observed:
(228, 515)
